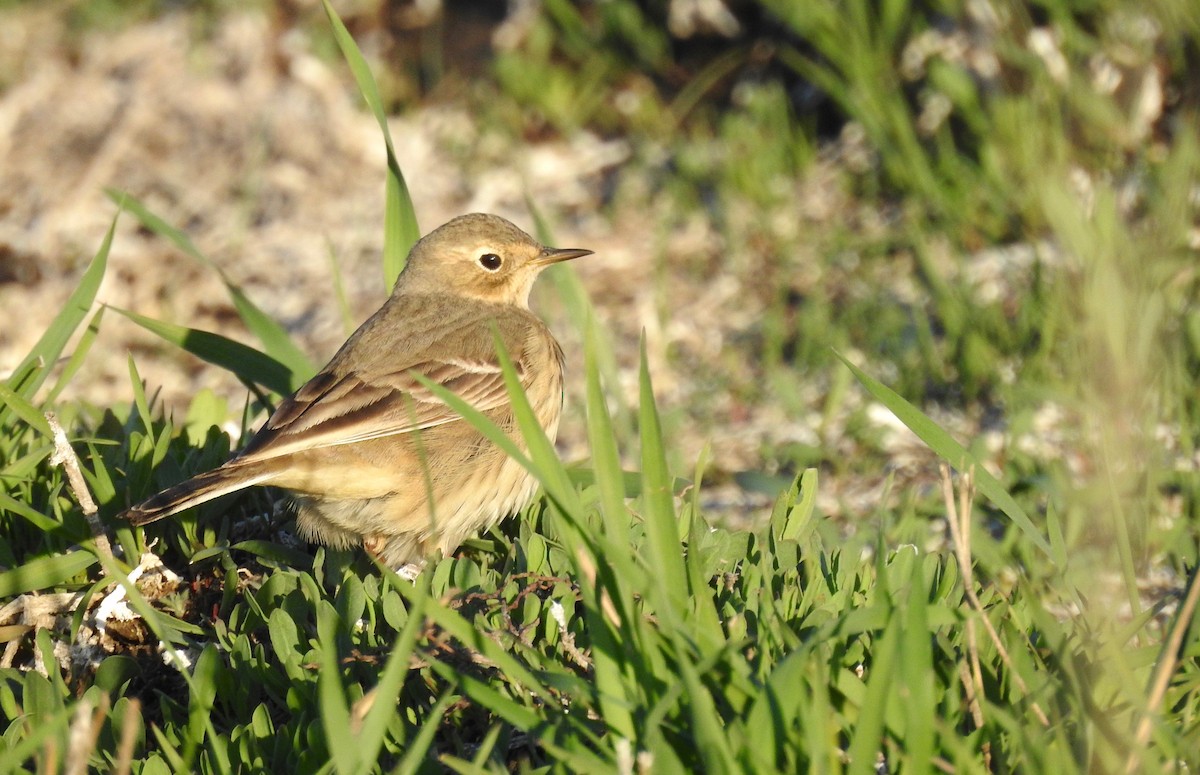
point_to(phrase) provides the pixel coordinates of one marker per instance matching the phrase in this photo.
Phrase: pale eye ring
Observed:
(490, 262)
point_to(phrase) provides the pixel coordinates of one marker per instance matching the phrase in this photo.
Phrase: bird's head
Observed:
(480, 256)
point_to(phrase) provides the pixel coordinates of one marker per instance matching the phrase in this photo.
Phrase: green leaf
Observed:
(44, 572)
(867, 739)
(521, 717)
(917, 674)
(282, 555)
(141, 403)
(950, 450)
(400, 230)
(273, 336)
(78, 355)
(710, 735)
(606, 457)
(375, 724)
(331, 694)
(24, 410)
(35, 517)
(32, 372)
(800, 515)
(339, 291)
(541, 461)
(456, 626)
(415, 752)
(285, 636)
(658, 506)
(201, 699)
(607, 651)
(246, 363)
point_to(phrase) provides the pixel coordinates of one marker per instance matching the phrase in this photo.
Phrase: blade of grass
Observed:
(23, 410)
(331, 695)
(35, 517)
(579, 308)
(140, 402)
(709, 733)
(400, 230)
(456, 626)
(339, 290)
(375, 725)
(415, 752)
(31, 372)
(867, 739)
(484, 693)
(542, 461)
(916, 674)
(954, 453)
(606, 458)
(246, 363)
(658, 507)
(28, 377)
(78, 355)
(273, 336)
(607, 649)
(44, 572)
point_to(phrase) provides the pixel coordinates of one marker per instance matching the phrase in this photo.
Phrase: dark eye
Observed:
(490, 261)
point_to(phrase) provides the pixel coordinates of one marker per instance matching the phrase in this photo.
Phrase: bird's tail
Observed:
(231, 477)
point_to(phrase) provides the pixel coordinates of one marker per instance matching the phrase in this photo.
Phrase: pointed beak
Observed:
(555, 255)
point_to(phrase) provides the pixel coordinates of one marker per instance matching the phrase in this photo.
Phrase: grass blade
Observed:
(710, 734)
(28, 377)
(916, 671)
(339, 291)
(248, 364)
(335, 713)
(19, 406)
(458, 627)
(415, 752)
(605, 457)
(579, 308)
(867, 740)
(658, 506)
(954, 453)
(273, 336)
(44, 572)
(541, 461)
(400, 230)
(32, 515)
(374, 726)
(78, 355)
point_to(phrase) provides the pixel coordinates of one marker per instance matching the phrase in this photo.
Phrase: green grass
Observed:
(1003, 618)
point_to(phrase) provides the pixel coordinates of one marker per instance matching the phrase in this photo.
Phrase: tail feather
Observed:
(202, 488)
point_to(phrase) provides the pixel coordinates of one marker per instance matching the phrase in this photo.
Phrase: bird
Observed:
(368, 453)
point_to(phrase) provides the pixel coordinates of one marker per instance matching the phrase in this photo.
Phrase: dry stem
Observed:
(65, 456)
(1166, 668)
(960, 533)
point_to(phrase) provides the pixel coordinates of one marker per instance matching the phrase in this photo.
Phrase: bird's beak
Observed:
(554, 255)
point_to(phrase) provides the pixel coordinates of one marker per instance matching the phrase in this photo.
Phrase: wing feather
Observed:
(332, 410)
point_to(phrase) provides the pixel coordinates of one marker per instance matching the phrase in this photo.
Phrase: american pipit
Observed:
(369, 453)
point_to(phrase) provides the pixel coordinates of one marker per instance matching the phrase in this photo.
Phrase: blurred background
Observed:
(992, 207)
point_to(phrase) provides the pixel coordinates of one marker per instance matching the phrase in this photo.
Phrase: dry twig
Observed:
(65, 456)
(1166, 668)
(960, 533)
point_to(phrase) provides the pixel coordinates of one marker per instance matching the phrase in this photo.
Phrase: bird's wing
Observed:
(335, 409)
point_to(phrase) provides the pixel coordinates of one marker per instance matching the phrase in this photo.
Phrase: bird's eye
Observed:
(490, 261)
